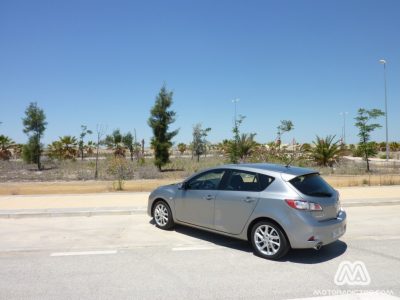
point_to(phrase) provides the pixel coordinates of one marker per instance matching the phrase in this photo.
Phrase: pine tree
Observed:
(160, 120)
(34, 126)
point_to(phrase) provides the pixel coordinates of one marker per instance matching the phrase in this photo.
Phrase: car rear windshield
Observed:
(312, 185)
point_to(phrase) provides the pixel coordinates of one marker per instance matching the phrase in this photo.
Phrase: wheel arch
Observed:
(256, 220)
(158, 199)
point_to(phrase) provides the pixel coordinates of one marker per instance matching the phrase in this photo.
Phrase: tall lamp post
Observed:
(235, 101)
(344, 127)
(382, 61)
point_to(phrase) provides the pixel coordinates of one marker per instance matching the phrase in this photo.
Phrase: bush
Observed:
(31, 151)
(121, 170)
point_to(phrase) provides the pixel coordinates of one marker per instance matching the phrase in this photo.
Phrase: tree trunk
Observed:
(198, 157)
(38, 152)
(366, 153)
(81, 153)
(38, 162)
(97, 158)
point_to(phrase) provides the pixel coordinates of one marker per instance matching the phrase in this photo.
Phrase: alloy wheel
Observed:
(161, 215)
(267, 240)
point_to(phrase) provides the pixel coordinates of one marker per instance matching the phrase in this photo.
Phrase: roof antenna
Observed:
(290, 161)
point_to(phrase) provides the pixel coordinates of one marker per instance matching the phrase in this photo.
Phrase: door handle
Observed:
(249, 199)
(208, 197)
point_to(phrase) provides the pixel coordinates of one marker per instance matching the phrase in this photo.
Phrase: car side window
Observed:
(247, 181)
(207, 181)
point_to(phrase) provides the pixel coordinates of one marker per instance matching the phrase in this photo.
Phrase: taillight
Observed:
(297, 204)
(315, 206)
(303, 205)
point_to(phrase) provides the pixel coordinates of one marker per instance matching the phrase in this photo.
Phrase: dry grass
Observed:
(78, 187)
(363, 180)
(72, 177)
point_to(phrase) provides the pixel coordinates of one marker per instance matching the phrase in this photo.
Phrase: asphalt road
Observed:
(127, 257)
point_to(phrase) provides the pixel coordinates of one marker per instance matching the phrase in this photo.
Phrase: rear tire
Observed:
(162, 215)
(268, 240)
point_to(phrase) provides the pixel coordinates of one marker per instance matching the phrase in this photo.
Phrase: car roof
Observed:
(271, 168)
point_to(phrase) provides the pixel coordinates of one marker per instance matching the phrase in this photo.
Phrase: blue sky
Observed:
(90, 62)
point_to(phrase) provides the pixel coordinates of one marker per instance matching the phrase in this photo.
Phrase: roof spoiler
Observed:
(288, 177)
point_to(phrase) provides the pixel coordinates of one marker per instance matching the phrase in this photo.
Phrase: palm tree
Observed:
(182, 148)
(394, 146)
(246, 145)
(17, 150)
(55, 151)
(69, 145)
(64, 148)
(115, 142)
(326, 151)
(5, 145)
(89, 147)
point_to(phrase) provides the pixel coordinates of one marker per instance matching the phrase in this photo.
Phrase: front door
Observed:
(195, 203)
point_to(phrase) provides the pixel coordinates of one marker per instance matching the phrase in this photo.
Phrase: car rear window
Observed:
(312, 185)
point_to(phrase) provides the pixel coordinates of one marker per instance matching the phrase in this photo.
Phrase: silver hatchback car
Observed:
(274, 207)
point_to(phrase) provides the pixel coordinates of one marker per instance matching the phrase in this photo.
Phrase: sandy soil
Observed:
(78, 187)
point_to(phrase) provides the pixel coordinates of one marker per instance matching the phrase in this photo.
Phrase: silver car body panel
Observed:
(232, 213)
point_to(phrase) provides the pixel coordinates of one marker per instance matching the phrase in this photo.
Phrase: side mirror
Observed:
(182, 186)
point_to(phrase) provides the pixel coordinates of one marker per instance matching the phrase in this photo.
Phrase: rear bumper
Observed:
(325, 232)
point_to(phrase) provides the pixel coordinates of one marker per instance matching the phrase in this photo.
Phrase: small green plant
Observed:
(365, 128)
(81, 144)
(199, 144)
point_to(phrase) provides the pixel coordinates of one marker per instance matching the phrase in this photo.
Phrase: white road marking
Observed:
(377, 238)
(354, 296)
(194, 248)
(84, 253)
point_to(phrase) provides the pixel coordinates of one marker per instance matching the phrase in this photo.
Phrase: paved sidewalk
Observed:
(22, 206)
(96, 200)
(123, 203)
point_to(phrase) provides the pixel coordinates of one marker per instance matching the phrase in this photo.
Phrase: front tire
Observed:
(162, 215)
(268, 240)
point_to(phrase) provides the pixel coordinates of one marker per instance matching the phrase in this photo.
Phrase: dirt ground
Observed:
(78, 187)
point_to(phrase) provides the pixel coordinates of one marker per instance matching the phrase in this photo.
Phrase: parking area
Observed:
(127, 257)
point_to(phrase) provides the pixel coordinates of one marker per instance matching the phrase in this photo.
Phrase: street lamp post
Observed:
(344, 126)
(235, 101)
(382, 61)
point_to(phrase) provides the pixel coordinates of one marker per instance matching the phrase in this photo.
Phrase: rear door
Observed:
(236, 200)
(315, 189)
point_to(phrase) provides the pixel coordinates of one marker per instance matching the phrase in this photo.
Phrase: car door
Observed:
(236, 201)
(195, 202)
